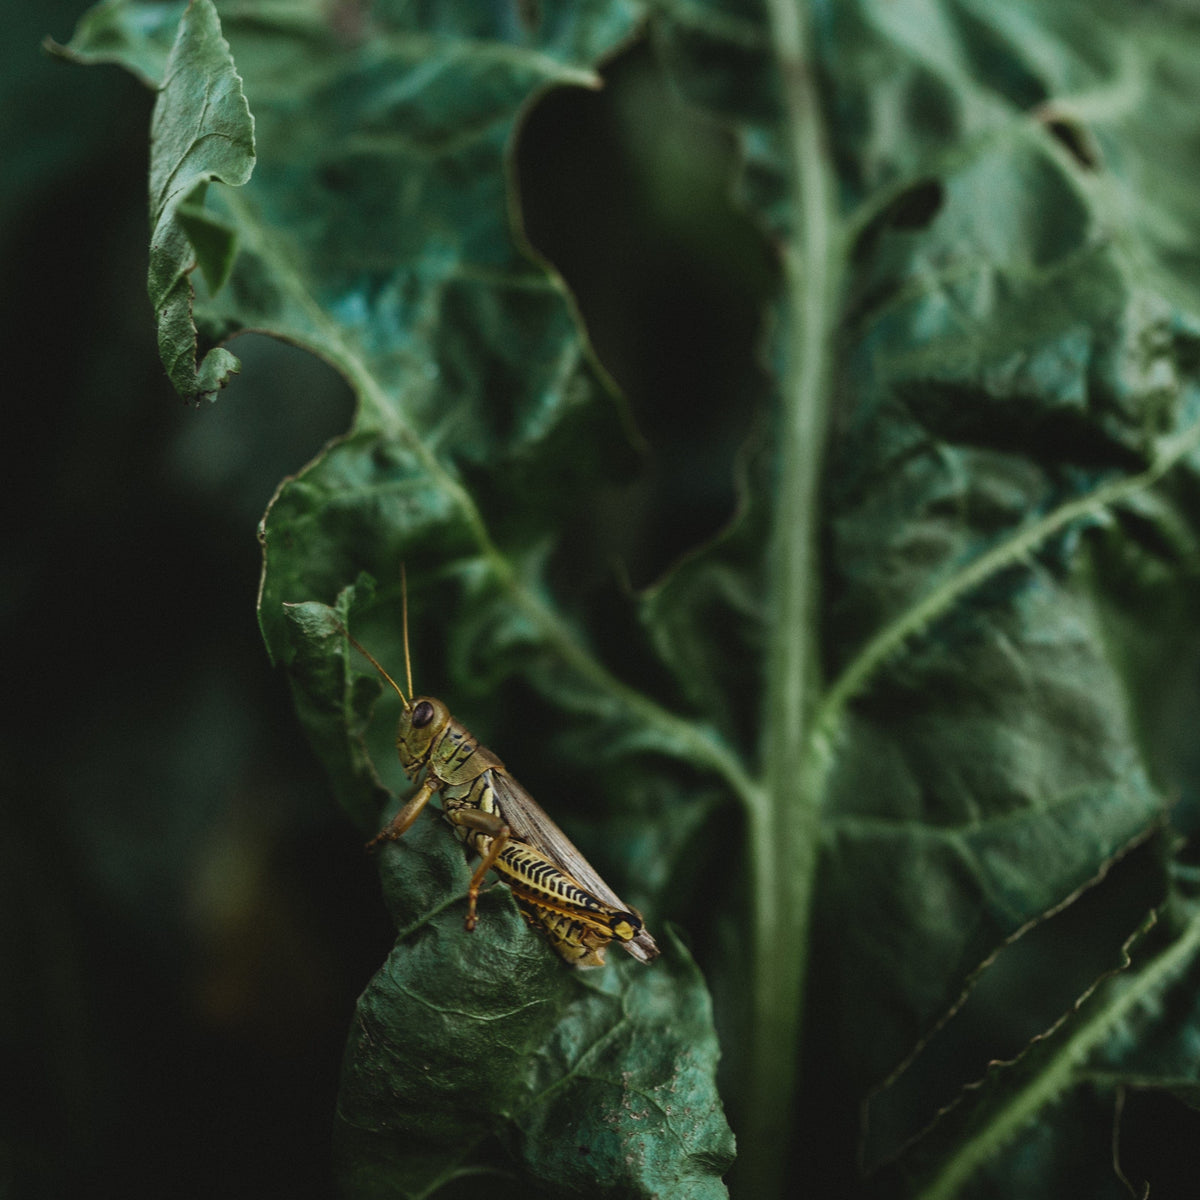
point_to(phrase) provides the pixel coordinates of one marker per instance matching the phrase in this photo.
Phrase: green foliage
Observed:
(200, 134)
(942, 657)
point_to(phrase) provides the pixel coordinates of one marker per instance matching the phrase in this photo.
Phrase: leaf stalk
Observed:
(784, 830)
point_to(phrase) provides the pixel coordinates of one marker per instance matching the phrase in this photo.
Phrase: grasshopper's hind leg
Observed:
(575, 942)
(491, 826)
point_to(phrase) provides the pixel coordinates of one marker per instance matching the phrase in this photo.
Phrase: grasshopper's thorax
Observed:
(458, 759)
(429, 736)
(419, 731)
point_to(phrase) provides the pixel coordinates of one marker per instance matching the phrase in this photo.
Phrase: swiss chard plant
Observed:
(898, 759)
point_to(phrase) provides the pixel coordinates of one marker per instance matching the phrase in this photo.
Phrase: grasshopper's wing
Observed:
(530, 823)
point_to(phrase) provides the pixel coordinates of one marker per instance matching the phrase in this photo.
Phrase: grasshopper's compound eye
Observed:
(422, 714)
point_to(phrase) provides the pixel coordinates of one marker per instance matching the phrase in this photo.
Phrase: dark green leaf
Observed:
(509, 394)
(1035, 1123)
(599, 1084)
(202, 132)
(915, 660)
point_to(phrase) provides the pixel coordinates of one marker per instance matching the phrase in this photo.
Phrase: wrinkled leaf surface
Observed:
(942, 657)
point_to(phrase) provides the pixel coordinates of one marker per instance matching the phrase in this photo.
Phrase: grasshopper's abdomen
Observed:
(533, 877)
(578, 944)
(468, 777)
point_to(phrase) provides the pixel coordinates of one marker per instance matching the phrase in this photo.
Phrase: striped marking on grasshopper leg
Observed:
(537, 879)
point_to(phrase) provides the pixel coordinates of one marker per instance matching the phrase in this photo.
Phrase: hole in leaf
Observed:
(914, 208)
(1075, 138)
(286, 404)
(909, 212)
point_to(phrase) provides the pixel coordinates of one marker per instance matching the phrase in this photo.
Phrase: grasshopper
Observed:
(557, 890)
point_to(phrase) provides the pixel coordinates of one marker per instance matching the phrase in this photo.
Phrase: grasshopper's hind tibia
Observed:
(490, 835)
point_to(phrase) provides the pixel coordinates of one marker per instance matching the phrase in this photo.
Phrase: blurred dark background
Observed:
(185, 918)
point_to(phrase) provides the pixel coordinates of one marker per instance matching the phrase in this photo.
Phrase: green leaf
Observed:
(455, 294)
(214, 242)
(1034, 1123)
(592, 1083)
(461, 1040)
(903, 703)
(202, 131)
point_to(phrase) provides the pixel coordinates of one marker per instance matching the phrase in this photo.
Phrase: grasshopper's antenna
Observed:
(404, 604)
(375, 663)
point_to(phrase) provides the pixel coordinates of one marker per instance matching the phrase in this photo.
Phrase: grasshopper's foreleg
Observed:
(400, 823)
(492, 826)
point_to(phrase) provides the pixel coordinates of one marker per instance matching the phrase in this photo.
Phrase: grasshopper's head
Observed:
(421, 724)
(424, 718)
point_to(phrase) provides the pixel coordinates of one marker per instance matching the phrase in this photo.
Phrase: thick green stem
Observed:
(784, 827)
